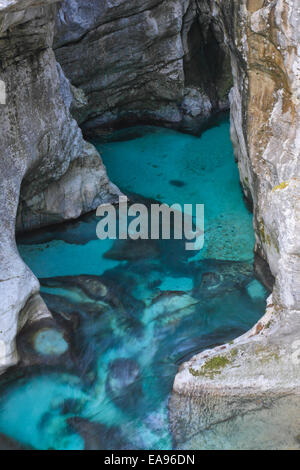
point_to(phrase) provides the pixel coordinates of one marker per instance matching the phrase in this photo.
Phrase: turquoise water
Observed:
(173, 168)
(140, 307)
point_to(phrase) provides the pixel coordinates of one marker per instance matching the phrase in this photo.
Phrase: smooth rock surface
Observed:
(143, 60)
(46, 167)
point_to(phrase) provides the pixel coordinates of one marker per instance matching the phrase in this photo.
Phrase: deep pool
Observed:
(142, 307)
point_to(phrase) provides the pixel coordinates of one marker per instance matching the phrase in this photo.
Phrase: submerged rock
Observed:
(95, 295)
(133, 250)
(44, 343)
(123, 382)
(223, 276)
(97, 436)
(169, 307)
(211, 281)
(92, 286)
(7, 443)
(50, 342)
(256, 290)
(177, 183)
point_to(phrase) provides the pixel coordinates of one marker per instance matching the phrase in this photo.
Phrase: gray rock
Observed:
(46, 167)
(143, 60)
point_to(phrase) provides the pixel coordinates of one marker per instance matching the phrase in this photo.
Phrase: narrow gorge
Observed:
(142, 344)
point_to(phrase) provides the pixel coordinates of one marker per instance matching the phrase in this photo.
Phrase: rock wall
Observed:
(142, 61)
(264, 42)
(45, 164)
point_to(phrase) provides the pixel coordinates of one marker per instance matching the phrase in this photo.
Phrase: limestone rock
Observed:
(142, 61)
(45, 164)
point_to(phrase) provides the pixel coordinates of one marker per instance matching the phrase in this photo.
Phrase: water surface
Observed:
(141, 308)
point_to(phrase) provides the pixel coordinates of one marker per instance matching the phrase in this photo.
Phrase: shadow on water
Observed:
(134, 310)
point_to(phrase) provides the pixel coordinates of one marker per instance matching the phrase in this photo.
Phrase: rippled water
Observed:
(137, 309)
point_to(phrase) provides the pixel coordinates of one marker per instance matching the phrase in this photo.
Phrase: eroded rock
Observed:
(46, 167)
(142, 61)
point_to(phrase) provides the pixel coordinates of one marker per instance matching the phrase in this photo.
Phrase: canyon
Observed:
(104, 65)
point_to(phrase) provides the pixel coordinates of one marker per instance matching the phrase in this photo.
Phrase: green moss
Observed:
(282, 185)
(246, 183)
(262, 231)
(266, 237)
(214, 365)
(195, 373)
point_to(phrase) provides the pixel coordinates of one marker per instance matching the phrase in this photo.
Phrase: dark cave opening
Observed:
(207, 65)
